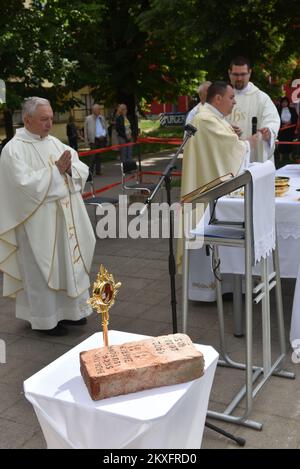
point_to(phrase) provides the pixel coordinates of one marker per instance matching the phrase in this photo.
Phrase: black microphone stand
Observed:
(166, 177)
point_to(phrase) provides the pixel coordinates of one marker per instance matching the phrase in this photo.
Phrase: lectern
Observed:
(235, 234)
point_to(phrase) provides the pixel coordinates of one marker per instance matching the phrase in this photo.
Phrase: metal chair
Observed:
(130, 168)
(241, 235)
(96, 201)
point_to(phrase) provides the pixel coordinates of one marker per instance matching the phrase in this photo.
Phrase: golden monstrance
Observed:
(104, 292)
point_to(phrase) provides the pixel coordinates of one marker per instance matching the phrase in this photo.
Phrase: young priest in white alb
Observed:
(253, 109)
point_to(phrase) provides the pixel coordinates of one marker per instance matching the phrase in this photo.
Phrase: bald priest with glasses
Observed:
(254, 110)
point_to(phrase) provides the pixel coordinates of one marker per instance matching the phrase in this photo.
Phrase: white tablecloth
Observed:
(201, 279)
(263, 179)
(166, 417)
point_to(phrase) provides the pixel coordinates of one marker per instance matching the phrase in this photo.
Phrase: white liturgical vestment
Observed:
(214, 150)
(46, 238)
(252, 102)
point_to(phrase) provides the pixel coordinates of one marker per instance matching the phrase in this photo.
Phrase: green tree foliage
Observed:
(266, 31)
(30, 53)
(30, 56)
(106, 48)
(138, 50)
(119, 59)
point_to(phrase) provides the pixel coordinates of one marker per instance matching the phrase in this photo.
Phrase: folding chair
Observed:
(96, 201)
(130, 168)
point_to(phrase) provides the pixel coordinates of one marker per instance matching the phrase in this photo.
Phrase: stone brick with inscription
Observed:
(134, 366)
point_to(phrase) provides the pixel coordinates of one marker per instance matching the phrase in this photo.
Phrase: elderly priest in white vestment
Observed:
(215, 149)
(46, 238)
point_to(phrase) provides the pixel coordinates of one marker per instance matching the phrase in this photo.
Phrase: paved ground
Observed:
(143, 307)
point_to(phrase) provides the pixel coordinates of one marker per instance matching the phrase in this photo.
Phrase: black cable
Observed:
(215, 266)
(240, 441)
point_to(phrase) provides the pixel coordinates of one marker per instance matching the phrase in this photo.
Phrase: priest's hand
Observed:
(253, 139)
(237, 130)
(265, 133)
(64, 162)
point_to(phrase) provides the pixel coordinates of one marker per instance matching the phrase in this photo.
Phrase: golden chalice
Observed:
(104, 292)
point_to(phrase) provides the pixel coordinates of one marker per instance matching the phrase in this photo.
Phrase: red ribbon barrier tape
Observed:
(286, 143)
(169, 141)
(103, 150)
(105, 188)
(288, 127)
(159, 173)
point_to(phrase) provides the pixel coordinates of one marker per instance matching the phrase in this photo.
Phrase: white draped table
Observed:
(167, 417)
(201, 279)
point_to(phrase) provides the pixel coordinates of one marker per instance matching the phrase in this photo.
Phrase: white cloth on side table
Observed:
(166, 417)
(263, 207)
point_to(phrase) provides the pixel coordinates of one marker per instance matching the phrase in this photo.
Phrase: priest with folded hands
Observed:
(46, 238)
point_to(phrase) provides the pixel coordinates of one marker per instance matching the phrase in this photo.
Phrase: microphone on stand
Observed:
(253, 156)
(254, 125)
(190, 130)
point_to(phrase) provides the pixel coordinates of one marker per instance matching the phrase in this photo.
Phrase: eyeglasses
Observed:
(239, 74)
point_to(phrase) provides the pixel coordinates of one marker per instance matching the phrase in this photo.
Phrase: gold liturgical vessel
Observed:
(104, 292)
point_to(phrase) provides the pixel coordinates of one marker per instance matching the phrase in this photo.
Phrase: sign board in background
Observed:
(172, 118)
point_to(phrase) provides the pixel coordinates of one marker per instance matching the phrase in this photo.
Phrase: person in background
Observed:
(72, 133)
(251, 103)
(3, 143)
(112, 128)
(95, 135)
(46, 237)
(288, 121)
(297, 132)
(202, 92)
(124, 133)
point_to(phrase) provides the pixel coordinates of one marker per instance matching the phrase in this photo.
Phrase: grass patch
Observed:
(149, 128)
